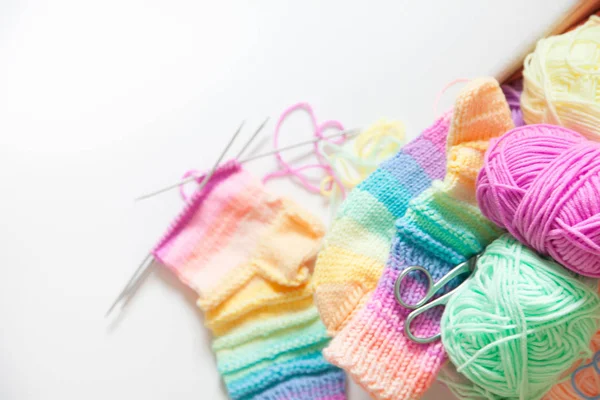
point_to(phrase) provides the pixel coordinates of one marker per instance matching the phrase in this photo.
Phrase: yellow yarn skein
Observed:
(561, 81)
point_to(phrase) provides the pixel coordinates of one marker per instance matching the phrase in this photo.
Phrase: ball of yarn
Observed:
(542, 183)
(518, 323)
(587, 381)
(560, 81)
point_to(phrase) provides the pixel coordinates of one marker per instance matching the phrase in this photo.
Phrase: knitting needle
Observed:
(349, 133)
(254, 135)
(139, 270)
(208, 176)
(145, 264)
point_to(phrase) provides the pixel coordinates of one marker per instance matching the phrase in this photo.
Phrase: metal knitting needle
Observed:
(145, 264)
(349, 133)
(208, 176)
(139, 270)
(249, 142)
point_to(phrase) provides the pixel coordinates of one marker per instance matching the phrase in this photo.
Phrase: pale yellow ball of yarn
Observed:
(561, 81)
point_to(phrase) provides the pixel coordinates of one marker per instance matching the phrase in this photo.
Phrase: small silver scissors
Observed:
(432, 288)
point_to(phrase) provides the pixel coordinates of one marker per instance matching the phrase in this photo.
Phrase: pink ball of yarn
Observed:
(542, 184)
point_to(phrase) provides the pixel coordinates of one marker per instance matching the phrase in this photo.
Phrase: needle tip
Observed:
(109, 311)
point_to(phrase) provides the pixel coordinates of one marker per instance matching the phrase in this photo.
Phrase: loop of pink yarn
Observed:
(199, 177)
(322, 164)
(187, 174)
(542, 183)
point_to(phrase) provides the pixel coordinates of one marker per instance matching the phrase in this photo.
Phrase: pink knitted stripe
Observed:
(433, 140)
(206, 212)
(368, 349)
(222, 210)
(233, 223)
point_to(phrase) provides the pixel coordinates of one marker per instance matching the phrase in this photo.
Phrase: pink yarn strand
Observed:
(189, 173)
(322, 164)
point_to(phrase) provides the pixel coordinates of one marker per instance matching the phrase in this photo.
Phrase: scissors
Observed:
(425, 304)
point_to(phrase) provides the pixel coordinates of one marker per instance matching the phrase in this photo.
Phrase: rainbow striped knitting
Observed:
(441, 228)
(247, 254)
(358, 244)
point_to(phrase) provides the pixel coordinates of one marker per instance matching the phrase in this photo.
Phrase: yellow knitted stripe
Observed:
(256, 294)
(343, 274)
(352, 236)
(222, 324)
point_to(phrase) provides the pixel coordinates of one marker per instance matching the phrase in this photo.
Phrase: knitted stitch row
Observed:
(357, 246)
(247, 254)
(441, 228)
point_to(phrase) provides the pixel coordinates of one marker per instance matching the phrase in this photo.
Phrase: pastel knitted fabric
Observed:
(248, 254)
(357, 246)
(358, 243)
(441, 228)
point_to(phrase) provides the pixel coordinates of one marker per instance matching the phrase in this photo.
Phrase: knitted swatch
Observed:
(358, 243)
(247, 254)
(441, 228)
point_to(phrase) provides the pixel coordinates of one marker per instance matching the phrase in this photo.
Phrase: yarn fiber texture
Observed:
(576, 382)
(519, 322)
(441, 228)
(247, 254)
(354, 160)
(357, 246)
(542, 183)
(561, 79)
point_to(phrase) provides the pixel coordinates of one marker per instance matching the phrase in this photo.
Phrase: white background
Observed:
(101, 101)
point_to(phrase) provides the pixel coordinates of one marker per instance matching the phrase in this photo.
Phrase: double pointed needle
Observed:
(145, 264)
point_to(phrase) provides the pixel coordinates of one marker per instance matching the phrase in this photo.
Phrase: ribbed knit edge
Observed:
(337, 315)
(373, 347)
(374, 350)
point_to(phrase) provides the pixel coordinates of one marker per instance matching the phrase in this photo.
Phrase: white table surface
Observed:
(101, 101)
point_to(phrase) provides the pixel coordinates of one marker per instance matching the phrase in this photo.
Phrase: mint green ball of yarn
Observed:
(519, 322)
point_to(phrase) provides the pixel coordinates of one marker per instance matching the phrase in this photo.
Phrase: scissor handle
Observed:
(440, 301)
(428, 295)
(432, 288)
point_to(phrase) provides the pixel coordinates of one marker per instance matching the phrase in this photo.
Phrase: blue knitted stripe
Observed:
(277, 373)
(407, 170)
(382, 185)
(329, 385)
